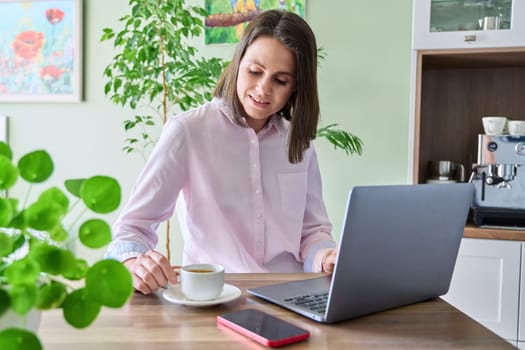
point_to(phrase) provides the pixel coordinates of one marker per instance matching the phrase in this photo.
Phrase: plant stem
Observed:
(168, 249)
(77, 219)
(164, 84)
(26, 199)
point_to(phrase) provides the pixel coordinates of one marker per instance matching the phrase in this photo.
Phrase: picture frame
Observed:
(41, 51)
(3, 128)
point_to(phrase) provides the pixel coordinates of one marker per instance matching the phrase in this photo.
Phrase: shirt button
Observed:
(257, 191)
(252, 142)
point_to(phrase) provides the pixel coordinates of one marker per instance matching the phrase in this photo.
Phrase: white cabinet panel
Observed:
(469, 34)
(485, 284)
(521, 321)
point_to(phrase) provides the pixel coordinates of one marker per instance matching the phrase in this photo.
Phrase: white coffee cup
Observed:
(202, 281)
(516, 127)
(494, 125)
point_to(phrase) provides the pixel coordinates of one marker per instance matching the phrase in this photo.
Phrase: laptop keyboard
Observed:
(314, 302)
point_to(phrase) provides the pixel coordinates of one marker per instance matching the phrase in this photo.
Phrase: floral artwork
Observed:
(228, 18)
(39, 50)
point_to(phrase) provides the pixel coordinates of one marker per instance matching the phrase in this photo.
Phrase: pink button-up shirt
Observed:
(241, 203)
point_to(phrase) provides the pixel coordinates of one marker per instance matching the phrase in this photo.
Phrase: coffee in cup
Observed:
(202, 281)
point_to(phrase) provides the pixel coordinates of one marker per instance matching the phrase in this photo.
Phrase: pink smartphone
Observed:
(263, 328)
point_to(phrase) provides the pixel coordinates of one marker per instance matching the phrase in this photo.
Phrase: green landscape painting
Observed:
(228, 18)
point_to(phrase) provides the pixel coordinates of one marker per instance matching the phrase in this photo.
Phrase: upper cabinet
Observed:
(456, 24)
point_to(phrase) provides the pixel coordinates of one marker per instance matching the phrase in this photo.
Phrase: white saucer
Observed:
(174, 294)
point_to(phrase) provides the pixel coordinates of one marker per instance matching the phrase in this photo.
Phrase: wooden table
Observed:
(151, 323)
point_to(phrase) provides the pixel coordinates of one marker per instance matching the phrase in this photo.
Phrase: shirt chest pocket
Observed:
(293, 188)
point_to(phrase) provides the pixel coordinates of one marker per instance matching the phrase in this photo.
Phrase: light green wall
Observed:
(363, 85)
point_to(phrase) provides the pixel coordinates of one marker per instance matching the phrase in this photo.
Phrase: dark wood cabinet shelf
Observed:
(454, 90)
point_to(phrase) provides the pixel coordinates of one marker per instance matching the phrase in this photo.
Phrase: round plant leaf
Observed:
(8, 173)
(43, 216)
(5, 302)
(23, 298)
(19, 221)
(6, 244)
(19, 339)
(79, 310)
(77, 271)
(58, 233)
(52, 259)
(101, 194)
(6, 212)
(36, 166)
(50, 296)
(5, 150)
(73, 186)
(18, 240)
(109, 283)
(55, 195)
(23, 271)
(94, 233)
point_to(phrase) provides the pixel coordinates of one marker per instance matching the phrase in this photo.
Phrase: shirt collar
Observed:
(276, 121)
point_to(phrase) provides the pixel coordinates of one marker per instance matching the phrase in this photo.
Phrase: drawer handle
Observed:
(470, 38)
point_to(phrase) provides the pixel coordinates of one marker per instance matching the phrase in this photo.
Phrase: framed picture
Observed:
(41, 51)
(3, 128)
(228, 18)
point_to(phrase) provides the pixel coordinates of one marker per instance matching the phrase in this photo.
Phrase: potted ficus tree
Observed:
(38, 271)
(157, 69)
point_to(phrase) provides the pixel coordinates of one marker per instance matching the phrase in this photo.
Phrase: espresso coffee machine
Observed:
(499, 181)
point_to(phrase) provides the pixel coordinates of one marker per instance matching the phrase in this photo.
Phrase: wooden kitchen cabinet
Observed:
(451, 91)
(486, 284)
(461, 24)
(455, 83)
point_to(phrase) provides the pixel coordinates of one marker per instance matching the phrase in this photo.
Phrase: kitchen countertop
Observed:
(472, 231)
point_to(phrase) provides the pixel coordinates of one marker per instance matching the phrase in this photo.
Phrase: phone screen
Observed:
(262, 327)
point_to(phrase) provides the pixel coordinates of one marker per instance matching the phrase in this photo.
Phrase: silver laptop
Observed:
(398, 246)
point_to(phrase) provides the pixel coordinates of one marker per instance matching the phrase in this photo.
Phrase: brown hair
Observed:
(302, 109)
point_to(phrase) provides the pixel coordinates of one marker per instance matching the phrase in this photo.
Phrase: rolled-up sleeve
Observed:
(317, 228)
(153, 198)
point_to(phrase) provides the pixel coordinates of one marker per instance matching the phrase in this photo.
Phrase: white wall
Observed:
(364, 86)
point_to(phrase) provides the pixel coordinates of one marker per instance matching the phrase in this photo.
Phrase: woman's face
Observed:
(266, 80)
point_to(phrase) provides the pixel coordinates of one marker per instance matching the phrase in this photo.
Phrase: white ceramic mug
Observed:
(516, 127)
(494, 125)
(202, 281)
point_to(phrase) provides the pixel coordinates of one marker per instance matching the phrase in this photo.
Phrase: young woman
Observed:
(241, 168)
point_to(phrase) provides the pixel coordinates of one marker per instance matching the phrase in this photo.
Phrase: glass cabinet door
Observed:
(468, 23)
(465, 15)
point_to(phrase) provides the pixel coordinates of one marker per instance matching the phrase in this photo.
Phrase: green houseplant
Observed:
(37, 269)
(156, 68)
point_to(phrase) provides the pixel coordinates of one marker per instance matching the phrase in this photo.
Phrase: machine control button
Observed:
(492, 146)
(520, 148)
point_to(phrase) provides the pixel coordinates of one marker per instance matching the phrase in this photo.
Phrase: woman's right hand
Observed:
(151, 271)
